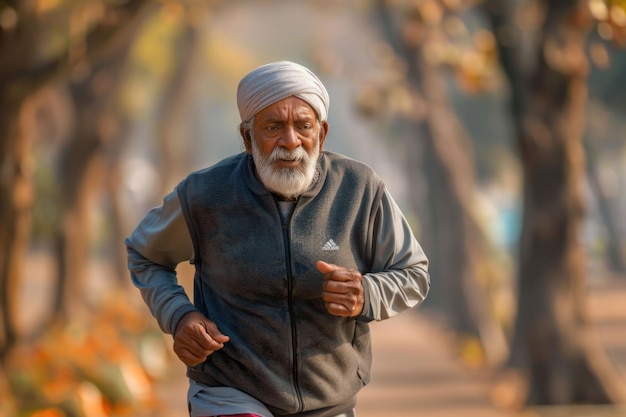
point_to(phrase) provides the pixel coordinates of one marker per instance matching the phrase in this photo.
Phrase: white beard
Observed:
(287, 182)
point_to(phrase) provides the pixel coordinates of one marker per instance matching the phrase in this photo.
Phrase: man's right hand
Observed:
(197, 337)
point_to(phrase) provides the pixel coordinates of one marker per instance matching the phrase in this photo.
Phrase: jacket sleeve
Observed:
(157, 245)
(400, 278)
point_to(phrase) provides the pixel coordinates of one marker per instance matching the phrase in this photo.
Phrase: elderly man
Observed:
(295, 250)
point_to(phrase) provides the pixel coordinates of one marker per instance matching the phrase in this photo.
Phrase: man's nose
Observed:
(290, 139)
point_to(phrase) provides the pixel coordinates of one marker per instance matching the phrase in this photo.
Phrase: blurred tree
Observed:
(615, 243)
(461, 268)
(80, 160)
(171, 109)
(607, 53)
(547, 69)
(41, 42)
(79, 140)
(546, 64)
(81, 47)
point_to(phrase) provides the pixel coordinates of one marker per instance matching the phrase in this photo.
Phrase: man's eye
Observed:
(306, 126)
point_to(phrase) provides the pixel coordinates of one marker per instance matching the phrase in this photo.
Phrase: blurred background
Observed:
(498, 126)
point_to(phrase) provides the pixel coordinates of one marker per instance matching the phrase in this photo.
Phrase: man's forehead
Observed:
(287, 106)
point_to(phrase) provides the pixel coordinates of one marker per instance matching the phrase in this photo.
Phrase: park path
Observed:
(417, 373)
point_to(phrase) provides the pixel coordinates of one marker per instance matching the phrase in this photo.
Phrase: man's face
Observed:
(285, 142)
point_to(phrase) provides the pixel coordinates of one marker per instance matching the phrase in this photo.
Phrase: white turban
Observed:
(273, 82)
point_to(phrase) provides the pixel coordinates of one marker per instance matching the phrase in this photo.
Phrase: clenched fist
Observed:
(342, 290)
(197, 337)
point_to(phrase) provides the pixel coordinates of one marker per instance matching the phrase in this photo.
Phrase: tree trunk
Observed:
(81, 176)
(459, 253)
(15, 201)
(15, 177)
(172, 108)
(22, 73)
(552, 338)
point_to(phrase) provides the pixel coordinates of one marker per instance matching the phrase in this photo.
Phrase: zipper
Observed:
(296, 372)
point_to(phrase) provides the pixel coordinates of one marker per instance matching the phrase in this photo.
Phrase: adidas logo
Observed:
(330, 245)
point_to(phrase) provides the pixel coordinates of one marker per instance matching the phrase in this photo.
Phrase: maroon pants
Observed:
(238, 415)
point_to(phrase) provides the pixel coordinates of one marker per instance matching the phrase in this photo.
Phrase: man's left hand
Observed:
(342, 290)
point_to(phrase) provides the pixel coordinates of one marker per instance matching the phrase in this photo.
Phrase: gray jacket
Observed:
(256, 277)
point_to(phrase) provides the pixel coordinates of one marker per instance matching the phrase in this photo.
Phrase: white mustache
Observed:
(297, 154)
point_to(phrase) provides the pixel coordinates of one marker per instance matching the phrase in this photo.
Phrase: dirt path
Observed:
(416, 374)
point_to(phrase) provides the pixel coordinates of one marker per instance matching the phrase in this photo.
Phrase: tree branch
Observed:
(21, 73)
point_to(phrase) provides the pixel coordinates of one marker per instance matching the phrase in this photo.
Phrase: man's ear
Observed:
(247, 139)
(323, 133)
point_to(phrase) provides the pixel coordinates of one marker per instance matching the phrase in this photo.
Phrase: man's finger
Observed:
(325, 267)
(190, 358)
(338, 310)
(335, 272)
(213, 332)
